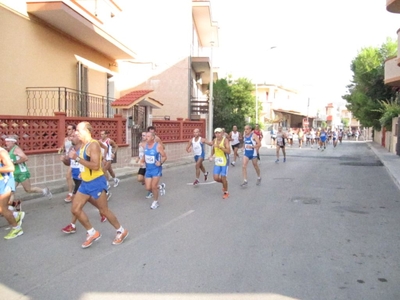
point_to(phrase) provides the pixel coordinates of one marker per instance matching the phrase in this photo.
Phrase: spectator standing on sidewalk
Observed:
(93, 185)
(21, 173)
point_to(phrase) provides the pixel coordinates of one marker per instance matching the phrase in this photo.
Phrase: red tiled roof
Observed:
(130, 98)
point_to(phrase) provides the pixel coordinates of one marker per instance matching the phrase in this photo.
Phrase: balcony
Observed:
(207, 29)
(393, 6)
(74, 20)
(45, 101)
(392, 72)
(198, 106)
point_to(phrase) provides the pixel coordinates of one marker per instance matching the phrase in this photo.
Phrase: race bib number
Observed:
(149, 159)
(248, 147)
(219, 161)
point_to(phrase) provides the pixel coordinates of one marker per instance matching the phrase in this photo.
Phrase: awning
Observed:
(135, 97)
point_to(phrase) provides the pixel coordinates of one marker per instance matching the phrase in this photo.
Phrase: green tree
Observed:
(233, 102)
(368, 88)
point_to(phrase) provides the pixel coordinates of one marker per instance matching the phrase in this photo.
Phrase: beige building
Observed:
(280, 106)
(81, 56)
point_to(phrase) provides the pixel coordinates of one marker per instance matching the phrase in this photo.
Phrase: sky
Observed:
(314, 41)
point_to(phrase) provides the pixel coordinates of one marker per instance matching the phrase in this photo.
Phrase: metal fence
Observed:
(45, 101)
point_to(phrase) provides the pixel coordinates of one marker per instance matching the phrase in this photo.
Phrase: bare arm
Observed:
(209, 143)
(160, 149)
(5, 159)
(22, 156)
(258, 142)
(227, 145)
(188, 146)
(114, 145)
(158, 140)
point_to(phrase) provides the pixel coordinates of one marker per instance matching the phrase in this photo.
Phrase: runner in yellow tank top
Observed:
(93, 186)
(220, 153)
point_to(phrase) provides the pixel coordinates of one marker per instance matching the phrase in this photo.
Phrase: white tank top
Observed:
(235, 137)
(67, 145)
(196, 146)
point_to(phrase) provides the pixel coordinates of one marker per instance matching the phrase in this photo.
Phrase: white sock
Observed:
(91, 231)
(10, 207)
(73, 225)
(70, 194)
(121, 229)
(15, 214)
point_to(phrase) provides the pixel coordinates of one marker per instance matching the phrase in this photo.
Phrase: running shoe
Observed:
(154, 205)
(162, 189)
(244, 184)
(205, 176)
(116, 182)
(233, 164)
(284, 160)
(20, 217)
(109, 194)
(225, 196)
(14, 232)
(69, 229)
(196, 182)
(90, 239)
(149, 195)
(47, 193)
(120, 237)
(103, 219)
(68, 199)
(258, 181)
(277, 161)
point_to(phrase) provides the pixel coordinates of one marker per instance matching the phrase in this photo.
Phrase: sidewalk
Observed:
(60, 186)
(390, 161)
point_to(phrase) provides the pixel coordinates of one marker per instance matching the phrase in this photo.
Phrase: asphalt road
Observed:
(323, 225)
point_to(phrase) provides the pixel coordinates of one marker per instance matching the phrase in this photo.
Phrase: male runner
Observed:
(154, 157)
(197, 145)
(251, 144)
(235, 137)
(220, 152)
(93, 185)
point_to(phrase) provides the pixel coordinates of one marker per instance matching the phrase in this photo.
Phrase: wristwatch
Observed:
(77, 159)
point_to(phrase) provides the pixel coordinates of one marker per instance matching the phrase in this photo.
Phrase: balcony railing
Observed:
(44, 101)
(199, 106)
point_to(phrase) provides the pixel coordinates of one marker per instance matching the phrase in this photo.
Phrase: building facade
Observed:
(80, 57)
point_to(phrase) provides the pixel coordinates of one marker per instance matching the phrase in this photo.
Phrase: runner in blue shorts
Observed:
(197, 145)
(154, 157)
(251, 145)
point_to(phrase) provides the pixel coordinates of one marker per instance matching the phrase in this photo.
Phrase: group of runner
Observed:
(223, 144)
(310, 137)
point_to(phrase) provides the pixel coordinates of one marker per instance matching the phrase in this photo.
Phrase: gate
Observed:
(139, 125)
